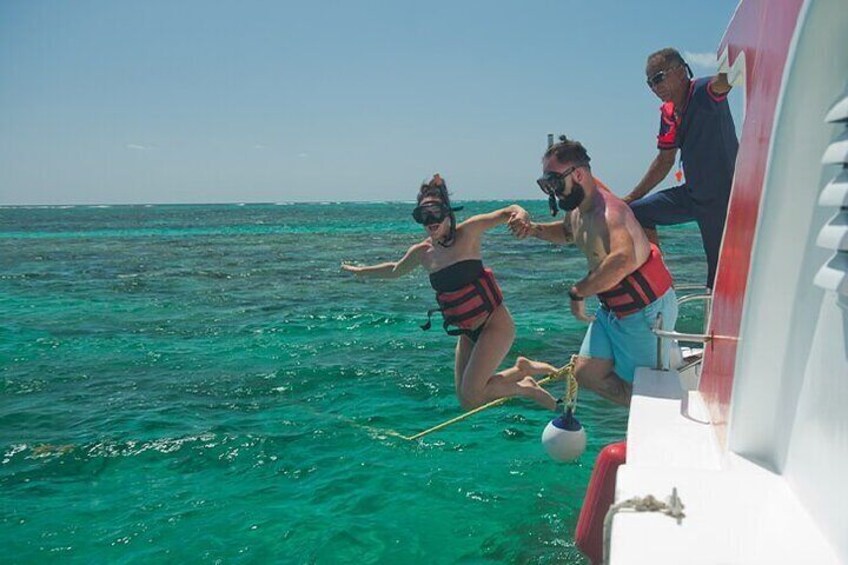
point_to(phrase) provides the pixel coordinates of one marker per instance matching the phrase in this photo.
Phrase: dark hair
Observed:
(569, 150)
(436, 188)
(669, 55)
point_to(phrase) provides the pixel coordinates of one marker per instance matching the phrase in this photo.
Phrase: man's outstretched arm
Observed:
(554, 232)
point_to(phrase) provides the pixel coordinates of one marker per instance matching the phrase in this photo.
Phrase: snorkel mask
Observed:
(431, 213)
(553, 184)
(436, 212)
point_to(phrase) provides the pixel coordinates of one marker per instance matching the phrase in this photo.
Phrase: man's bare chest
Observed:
(589, 237)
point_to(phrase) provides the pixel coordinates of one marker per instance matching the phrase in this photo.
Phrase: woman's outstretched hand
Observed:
(520, 225)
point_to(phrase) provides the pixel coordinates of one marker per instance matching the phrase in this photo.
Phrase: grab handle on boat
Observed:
(671, 334)
(679, 336)
(692, 298)
(706, 297)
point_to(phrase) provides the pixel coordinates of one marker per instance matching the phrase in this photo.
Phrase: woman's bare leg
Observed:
(533, 367)
(481, 384)
(464, 345)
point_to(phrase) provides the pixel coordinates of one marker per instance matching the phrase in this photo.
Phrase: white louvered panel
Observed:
(834, 275)
(834, 234)
(836, 191)
(839, 111)
(837, 152)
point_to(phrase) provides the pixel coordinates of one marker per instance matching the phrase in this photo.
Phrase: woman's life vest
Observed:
(467, 295)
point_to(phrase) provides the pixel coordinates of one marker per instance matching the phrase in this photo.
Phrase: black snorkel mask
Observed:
(553, 184)
(428, 214)
(436, 212)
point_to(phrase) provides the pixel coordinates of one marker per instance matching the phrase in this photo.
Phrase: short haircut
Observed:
(569, 150)
(669, 55)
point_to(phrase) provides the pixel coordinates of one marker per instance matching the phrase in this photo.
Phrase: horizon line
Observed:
(249, 203)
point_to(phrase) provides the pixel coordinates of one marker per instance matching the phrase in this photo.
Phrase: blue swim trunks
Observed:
(628, 341)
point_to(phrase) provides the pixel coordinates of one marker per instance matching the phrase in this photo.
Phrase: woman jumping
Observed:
(469, 299)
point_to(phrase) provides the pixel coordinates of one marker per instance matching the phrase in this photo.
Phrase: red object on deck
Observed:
(600, 495)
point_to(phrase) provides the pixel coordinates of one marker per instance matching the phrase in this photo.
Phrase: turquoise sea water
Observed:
(203, 384)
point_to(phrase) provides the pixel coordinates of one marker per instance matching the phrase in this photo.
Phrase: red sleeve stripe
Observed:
(713, 95)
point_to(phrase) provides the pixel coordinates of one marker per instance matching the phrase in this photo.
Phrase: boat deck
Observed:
(735, 510)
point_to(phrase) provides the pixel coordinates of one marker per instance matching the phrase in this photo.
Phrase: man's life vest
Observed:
(640, 288)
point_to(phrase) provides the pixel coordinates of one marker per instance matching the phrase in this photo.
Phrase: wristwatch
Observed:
(573, 295)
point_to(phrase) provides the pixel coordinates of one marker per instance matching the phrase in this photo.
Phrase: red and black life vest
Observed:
(640, 288)
(467, 295)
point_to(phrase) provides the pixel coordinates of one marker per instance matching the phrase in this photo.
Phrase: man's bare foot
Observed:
(530, 367)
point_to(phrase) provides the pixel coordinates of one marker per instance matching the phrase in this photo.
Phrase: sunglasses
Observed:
(658, 78)
(430, 214)
(553, 184)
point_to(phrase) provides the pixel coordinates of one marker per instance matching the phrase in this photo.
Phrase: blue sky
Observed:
(193, 101)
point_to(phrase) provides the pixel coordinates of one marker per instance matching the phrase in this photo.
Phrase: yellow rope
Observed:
(569, 400)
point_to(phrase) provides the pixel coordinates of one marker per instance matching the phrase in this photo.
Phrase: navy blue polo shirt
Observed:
(707, 141)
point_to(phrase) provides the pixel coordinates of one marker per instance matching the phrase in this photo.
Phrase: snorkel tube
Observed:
(552, 203)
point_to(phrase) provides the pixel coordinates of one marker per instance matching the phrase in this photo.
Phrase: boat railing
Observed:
(662, 334)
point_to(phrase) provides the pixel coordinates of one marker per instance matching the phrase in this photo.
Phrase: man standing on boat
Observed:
(626, 272)
(695, 118)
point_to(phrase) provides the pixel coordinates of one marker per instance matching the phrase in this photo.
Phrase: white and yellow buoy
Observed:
(564, 438)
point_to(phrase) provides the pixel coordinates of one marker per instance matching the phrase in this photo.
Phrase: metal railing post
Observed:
(659, 326)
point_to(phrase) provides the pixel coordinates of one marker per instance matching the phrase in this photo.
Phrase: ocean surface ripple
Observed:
(203, 383)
